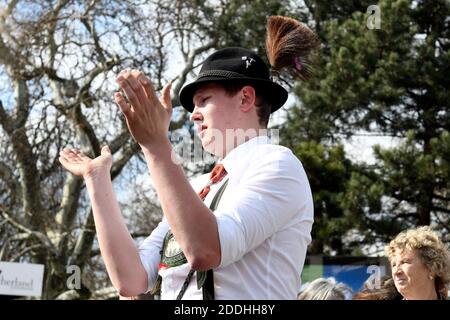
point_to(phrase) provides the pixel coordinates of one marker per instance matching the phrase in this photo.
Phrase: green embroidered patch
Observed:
(172, 255)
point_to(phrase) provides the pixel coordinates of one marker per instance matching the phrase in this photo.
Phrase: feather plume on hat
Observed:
(290, 47)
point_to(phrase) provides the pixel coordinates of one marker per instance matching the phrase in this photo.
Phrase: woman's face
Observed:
(411, 276)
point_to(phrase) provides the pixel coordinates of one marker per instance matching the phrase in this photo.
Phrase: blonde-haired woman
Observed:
(420, 264)
(326, 289)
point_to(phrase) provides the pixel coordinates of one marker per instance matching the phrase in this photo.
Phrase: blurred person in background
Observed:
(326, 289)
(386, 290)
(420, 264)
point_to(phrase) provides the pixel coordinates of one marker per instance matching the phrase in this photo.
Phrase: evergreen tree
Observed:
(391, 81)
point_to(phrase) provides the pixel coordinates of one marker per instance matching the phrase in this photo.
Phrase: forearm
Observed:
(192, 223)
(116, 245)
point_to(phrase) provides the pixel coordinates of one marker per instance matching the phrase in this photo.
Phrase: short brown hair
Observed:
(262, 103)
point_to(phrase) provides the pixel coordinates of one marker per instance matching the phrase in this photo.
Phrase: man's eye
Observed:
(204, 99)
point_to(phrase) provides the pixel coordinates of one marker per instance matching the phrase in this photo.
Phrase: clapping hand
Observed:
(147, 117)
(81, 165)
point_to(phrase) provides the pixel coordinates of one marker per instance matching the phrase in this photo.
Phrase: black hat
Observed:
(232, 64)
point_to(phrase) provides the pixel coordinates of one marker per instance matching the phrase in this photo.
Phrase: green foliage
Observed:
(417, 178)
(328, 171)
(246, 25)
(392, 82)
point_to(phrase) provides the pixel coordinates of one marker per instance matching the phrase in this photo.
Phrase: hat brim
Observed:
(273, 91)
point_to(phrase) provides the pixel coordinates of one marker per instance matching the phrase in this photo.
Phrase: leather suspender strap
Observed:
(208, 287)
(218, 196)
(205, 279)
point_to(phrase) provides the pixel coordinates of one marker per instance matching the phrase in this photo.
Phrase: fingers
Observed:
(123, 105)
(138, 96)
(62, 160)
(132, 79)
(166, 101)
(106, 150)
(72, 156)
(122, 80)
(148, 87)
(141, 93)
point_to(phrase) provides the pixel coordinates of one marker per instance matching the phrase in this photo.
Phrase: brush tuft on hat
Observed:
(290, 47)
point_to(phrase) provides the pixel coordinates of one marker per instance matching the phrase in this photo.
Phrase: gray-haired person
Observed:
(326, 289)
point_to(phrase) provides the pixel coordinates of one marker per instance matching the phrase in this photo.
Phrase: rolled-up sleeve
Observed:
(150, 249)
(270, 194)
(149, 252)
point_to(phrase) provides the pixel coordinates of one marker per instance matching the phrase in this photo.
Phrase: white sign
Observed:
(21, 279)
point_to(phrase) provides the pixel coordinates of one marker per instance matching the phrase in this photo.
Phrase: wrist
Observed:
(96, 174)
(158, 150)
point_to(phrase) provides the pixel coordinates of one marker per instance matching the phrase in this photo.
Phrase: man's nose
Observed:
(196, 115)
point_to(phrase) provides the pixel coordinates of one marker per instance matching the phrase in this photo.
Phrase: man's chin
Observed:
(212, 148)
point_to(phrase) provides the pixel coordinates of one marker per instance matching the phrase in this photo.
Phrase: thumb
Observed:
(105, 150)
(166, 100)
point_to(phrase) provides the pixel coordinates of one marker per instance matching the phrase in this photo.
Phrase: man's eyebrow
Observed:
(198, 95)
(195, 98)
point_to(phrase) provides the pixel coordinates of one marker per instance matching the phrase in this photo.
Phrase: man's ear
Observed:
(248, 98)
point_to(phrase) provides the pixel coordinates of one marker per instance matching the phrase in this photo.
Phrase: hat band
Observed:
(220, 73)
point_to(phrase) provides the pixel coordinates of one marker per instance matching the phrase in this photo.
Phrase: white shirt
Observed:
(264, 221)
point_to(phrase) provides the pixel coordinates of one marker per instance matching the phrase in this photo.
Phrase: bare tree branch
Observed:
(19, 237)
(109, 293)
(91, 28)
(38, 235)
(440, 209)
(9, 8)
(53, 19)
(7, 56)
(441, 197)
(68, 295)
(21, 253)
(119, 141)
(67, 212)
(5, 120)
(8, 176)
(29, 178)
(120, 163)
(83, 246)
(190, 63)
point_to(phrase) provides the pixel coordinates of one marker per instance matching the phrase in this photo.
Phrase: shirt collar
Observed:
(234, 158)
